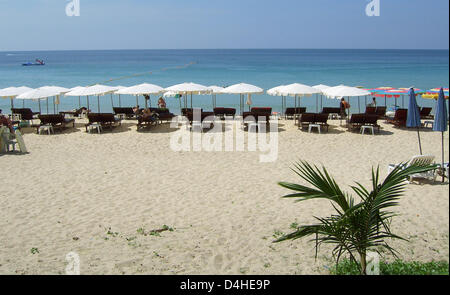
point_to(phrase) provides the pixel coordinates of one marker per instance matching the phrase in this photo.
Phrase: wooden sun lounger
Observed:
(399, 119)
(57, 121)
(104, 119)
(291, 112)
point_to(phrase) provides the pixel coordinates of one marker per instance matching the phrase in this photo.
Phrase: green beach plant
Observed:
(355, 228)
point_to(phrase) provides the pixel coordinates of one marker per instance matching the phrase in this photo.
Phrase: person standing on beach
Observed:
(373, 103)
(344, 106)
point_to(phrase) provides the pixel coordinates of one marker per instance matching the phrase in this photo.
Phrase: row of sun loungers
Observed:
(256, 114)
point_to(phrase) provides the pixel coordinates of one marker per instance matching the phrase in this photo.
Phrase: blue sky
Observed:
(182, 24)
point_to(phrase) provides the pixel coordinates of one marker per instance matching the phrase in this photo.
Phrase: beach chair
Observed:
(101, 120)
(372, 120)
(290, 113)
(224, 112)
(356, 121)
(307, 118)
(55, 121)
(399, 119)
(6, 141)
(423, 160)
(164, 115)
(425, 113)
(24, 114)
(126, 112)
(333, 112)
(371, 110)
(381, 112)
(322, 120)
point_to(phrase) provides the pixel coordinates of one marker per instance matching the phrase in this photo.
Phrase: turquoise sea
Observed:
(423, 69)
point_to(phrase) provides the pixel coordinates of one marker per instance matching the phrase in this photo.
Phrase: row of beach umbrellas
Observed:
(295, 90)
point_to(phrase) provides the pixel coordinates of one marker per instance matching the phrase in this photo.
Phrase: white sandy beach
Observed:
(224, 207)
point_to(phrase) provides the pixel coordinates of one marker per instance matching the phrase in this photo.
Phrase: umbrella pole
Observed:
(146, 104)
(87, 100)
(12, 102)
(137, 101)
(98, 103)
(120, 102)
(179, 100)
(112, 101)
(23, 103)
(321, 102)
(39, 100)
(442, 167)
(54, 106)
(420, 144)
(359, 106)
(47, 105)
(317, 104)
(79, 102)
(385, 101)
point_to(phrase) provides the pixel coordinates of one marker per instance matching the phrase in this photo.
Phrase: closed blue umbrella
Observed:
(413, 119)
(440, 121)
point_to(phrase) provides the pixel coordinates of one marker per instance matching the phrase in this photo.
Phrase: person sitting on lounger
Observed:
(162, 103)
(136, 110)
(5, 121)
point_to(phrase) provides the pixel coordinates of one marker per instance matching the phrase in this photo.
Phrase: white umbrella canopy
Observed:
(96, 90)
(297, 90)
(321, 87)
(141, 89)
(39, 93)
(275, 92)
(242, 89)
(215, 89)
(345, 91)
(76, 88)
(12, 92)
(188, 88)
(43, 93)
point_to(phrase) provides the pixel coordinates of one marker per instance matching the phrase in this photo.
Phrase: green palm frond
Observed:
(355, 227)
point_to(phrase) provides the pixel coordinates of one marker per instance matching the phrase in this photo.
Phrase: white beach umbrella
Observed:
(96, 90)
(188, 88)
(40, 93)
(298, 90)
(341, 91)
(243, 89)
(142, 89)
(79, 96)
(60, 90)
(214, 90)
(12, 92)
(275, 92)
(321, 87)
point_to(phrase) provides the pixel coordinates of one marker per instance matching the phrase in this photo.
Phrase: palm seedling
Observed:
(354, 228)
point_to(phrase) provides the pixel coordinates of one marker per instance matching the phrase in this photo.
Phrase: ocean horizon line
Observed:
(229, 49)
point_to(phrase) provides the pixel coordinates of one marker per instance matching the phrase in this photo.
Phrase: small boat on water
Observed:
(38, 62)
